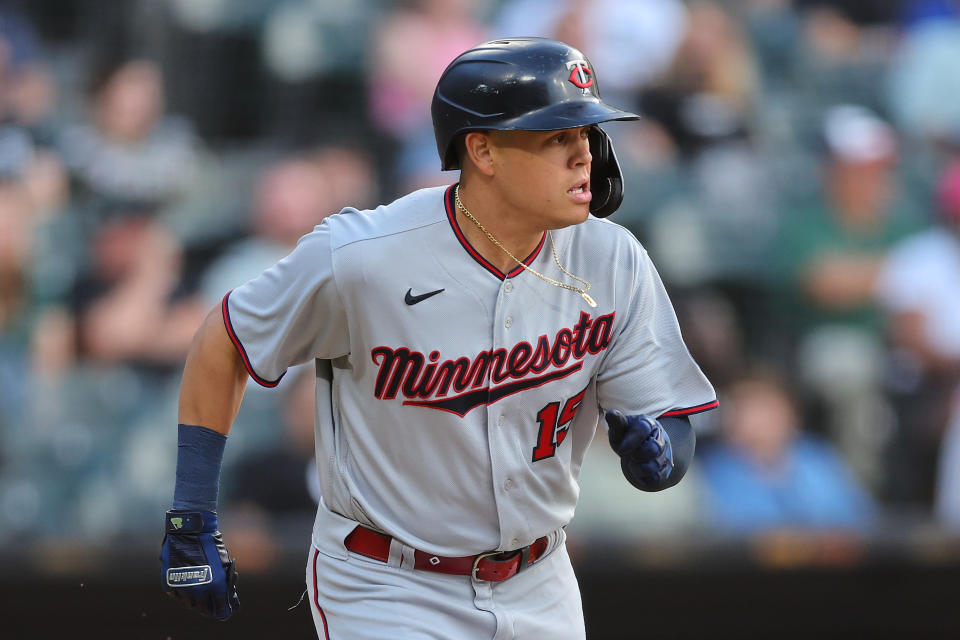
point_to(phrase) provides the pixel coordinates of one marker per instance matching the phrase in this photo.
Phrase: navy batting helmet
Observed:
(533, 84)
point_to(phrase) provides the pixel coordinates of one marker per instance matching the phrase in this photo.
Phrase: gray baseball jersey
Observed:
(459, 400)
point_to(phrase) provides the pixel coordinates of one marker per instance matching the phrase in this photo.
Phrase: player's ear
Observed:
(478, 148)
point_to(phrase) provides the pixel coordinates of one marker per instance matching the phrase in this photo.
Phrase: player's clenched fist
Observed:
(197, 569)
(646, 456)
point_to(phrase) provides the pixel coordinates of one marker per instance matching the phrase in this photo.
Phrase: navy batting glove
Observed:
(197, 569)
(646, 457)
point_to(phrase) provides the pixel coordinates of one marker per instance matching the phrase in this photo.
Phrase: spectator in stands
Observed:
(131, 152)
(128, 305)
(27, 91)
(830, 254)
(707, 95)
(918, 288)
(15, 249)
(766, 473)
(923, 83)
(27, 99)
(833, 251)
(33, 191)
(292, 196)
(842, 56)
(705, 106)
(411, 48)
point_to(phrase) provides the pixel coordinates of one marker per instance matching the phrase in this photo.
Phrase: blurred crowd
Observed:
(796, 178)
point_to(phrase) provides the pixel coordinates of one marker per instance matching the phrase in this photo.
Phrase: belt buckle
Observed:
(524, 554)
(476, 562)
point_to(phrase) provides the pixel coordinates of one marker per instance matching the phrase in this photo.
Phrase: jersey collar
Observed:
(449, 203)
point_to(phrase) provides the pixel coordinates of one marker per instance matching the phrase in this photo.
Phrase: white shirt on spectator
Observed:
(922, 275)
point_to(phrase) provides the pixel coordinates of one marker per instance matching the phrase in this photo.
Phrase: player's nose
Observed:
(581, 154)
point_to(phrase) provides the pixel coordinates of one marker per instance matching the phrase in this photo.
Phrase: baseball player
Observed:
(467, 340)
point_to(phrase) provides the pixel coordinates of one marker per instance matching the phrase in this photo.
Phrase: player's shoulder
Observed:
(606, 226)
(606, 235)
(415, 210)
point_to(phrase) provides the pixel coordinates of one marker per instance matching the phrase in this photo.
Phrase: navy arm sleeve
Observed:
(683, 440)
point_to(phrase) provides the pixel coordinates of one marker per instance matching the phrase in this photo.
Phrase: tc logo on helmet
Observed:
(580, 75)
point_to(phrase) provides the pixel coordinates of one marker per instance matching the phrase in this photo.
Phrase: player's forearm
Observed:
(214, 378)
(683, 440)
(213, 382)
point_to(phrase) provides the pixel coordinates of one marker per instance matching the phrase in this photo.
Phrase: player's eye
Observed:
(560, 138)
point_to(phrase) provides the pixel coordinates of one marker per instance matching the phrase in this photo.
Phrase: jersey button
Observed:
(508, 322)
(515, 543)
(500, 421)
(508, 286)
(508, 485)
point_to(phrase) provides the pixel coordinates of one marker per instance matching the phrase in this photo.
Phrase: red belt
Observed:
(494, 566)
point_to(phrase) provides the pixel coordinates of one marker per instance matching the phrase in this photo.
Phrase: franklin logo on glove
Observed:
(189, 576)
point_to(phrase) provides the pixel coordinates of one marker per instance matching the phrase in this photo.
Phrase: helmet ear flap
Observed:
(606, 179)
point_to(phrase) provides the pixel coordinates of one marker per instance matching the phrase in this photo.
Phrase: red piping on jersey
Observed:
(316, 596)
(689, 411)
(239, 346)
(448, 202)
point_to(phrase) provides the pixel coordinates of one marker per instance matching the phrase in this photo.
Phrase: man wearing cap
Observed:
(830, 254)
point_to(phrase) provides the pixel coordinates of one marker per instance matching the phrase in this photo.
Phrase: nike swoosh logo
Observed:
(412, 299)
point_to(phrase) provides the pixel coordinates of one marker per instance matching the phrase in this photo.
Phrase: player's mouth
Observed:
(580, 192)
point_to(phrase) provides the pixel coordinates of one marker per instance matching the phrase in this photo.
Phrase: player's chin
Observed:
(566, 213)
(579, 213)
(566, 218)
(571, 216)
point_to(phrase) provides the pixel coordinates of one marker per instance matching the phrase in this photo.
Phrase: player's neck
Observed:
(502, 223)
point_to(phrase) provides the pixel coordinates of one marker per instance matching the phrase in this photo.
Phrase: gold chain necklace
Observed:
(583, 292)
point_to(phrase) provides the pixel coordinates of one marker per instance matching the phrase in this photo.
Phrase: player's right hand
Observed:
(197, 568)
